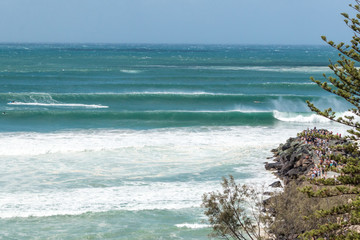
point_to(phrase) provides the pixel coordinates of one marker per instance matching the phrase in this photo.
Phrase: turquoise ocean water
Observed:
(121, 141)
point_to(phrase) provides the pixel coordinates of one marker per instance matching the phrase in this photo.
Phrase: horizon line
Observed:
(144, 43)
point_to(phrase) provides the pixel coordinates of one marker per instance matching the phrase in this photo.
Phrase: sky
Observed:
(174, 21)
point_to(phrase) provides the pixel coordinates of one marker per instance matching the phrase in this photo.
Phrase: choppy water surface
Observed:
(121, 141)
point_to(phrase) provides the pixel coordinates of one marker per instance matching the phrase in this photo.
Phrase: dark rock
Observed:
(286, 145)
(299, 163)
(294, 173)
(295, 159)
(277, 159)
(294, 144)
(284, 157)
(276, 184)
(273, 166)
(287, 167)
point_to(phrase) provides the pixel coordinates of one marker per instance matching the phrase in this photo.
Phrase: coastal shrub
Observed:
(338, 158)
(236, 212)
(345, 225)
(293, 211)
(323, 181)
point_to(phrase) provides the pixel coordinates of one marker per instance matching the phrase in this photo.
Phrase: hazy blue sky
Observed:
(174, 21)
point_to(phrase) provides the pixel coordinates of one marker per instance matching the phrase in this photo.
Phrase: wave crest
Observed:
(57, 104)
(44, 100)
(130, 71)
(299, 117)
(192, 225)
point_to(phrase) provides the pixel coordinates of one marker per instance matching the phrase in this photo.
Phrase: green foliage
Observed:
(236, 212)
(323, 192)
(293, 212)
(345, 84)
(347, 219)
(326, 209)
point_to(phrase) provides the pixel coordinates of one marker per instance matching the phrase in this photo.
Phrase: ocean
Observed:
(106, 141)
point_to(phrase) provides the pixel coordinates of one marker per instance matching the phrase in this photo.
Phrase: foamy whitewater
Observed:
(122, 141)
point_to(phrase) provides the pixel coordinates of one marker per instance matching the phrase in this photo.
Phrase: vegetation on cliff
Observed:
(236, 212)
(309, 207)
(345, 84)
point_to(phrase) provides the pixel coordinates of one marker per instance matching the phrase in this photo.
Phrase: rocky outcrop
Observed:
(295, 158)
(292, 159)
(276, 184)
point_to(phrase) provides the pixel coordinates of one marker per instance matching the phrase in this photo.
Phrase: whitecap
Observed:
(130, 71)
(296, 69)
(192, 225)
(57, 104)
(131, 197)
(299, 117)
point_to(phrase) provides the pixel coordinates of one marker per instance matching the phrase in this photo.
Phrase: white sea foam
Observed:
(190, 93)
(129, 166)
(288, 83)
(192, 225)
(57, 104)
(133, 197)
(45, 100)
(186, 139)
(130, 71)
(298, 117)
(295, 69)
(106, 157)
(32, 143)
(309, 117)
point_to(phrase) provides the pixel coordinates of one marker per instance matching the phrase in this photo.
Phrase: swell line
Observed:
(57, 104)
